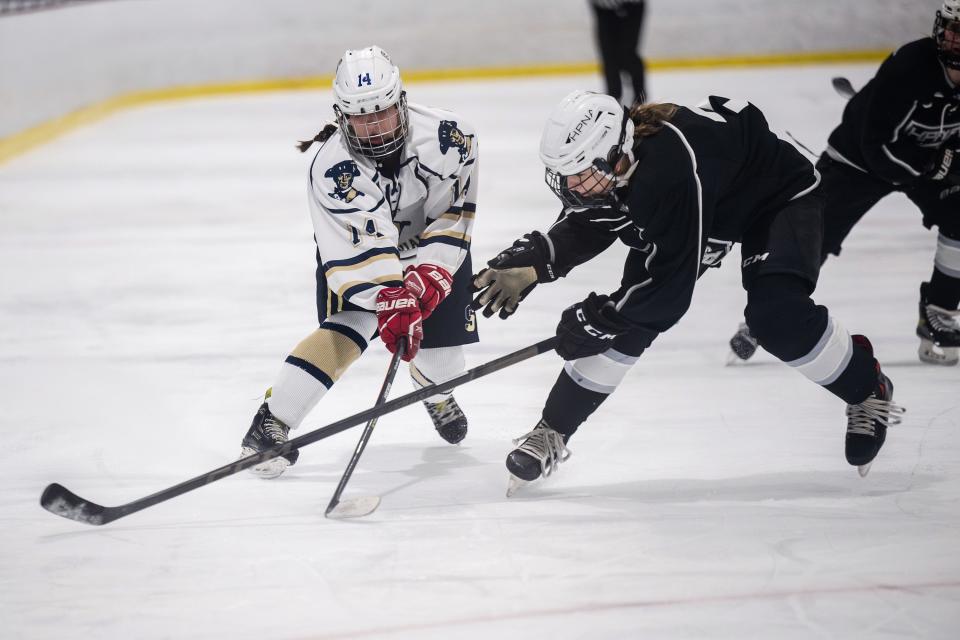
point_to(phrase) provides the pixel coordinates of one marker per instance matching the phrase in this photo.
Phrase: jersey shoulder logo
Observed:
(343, 174)
(451, 136)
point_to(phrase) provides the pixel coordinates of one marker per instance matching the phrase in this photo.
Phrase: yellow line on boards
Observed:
(773, 59)
(19, 143)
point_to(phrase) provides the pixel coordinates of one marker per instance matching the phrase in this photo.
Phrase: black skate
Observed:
(939, 332)
(267, 431)
(742, 344)
(448, 419)
(867, 422)
(540, 453)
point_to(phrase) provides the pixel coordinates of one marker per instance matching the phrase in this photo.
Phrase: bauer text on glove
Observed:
(946, 168)
(398, 316)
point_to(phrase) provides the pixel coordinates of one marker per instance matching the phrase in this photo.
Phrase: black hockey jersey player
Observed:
(893, 128)
(710, 177)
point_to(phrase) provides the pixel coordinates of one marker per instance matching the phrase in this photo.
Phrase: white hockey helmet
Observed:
(586, 130)
(370, 103)
(951, 9)
(948, 19)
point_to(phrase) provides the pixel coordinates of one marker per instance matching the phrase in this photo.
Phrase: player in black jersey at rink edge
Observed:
(678, 186)
(901, 132)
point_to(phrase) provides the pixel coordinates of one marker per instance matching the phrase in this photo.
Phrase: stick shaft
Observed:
(368, 429)
(82, 510)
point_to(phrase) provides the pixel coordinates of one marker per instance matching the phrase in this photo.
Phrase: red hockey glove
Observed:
(430, 284)
(398, 316)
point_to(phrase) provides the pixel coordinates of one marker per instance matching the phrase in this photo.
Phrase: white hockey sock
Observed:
(295, 393)
(829, 357)
(947, 258)
(601, 373)
(318, 362)
(436, 365)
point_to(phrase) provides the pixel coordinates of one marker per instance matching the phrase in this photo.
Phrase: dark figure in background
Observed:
(619, 25)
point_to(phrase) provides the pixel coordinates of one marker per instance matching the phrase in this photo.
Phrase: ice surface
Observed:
(156, 268)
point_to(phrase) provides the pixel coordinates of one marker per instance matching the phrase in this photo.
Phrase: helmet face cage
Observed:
(596, 185)
(949, 51)
(378, 133)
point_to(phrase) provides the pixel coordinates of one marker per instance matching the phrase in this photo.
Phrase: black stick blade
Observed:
(843, 87)
(59, 500)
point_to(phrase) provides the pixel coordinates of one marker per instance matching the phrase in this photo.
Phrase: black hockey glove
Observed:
(512, 275)
(588, 328)
(946, 168)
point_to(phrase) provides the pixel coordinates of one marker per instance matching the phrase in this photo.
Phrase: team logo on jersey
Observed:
(714, 251)
(451, 136)
(931, 135)
(343, 174)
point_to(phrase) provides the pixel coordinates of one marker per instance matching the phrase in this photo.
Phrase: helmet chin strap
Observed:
(625, 178)
(632, 159)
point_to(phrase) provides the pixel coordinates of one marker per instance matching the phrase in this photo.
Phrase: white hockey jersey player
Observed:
(368, 216)
(392, 194)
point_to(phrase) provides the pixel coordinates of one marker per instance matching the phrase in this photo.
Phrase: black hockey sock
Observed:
(788, 324)
(859, 378)
(569, 405)
(943, 290)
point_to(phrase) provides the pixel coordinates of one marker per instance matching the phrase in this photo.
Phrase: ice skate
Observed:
(742, 345)
(539, 454)
(266, 432)
(448, 419)
(867, 423)
(939, 333)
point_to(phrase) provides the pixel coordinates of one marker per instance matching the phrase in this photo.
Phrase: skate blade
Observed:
(733, 359)
(354, 507)
(864, 469)
(932, 354)
(514, 484)
(268, 469)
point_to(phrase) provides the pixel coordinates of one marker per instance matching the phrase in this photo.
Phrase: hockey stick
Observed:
(364, 505)
(59, 500)
(843, 87)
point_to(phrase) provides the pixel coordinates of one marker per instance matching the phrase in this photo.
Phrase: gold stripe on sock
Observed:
(328, 350)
